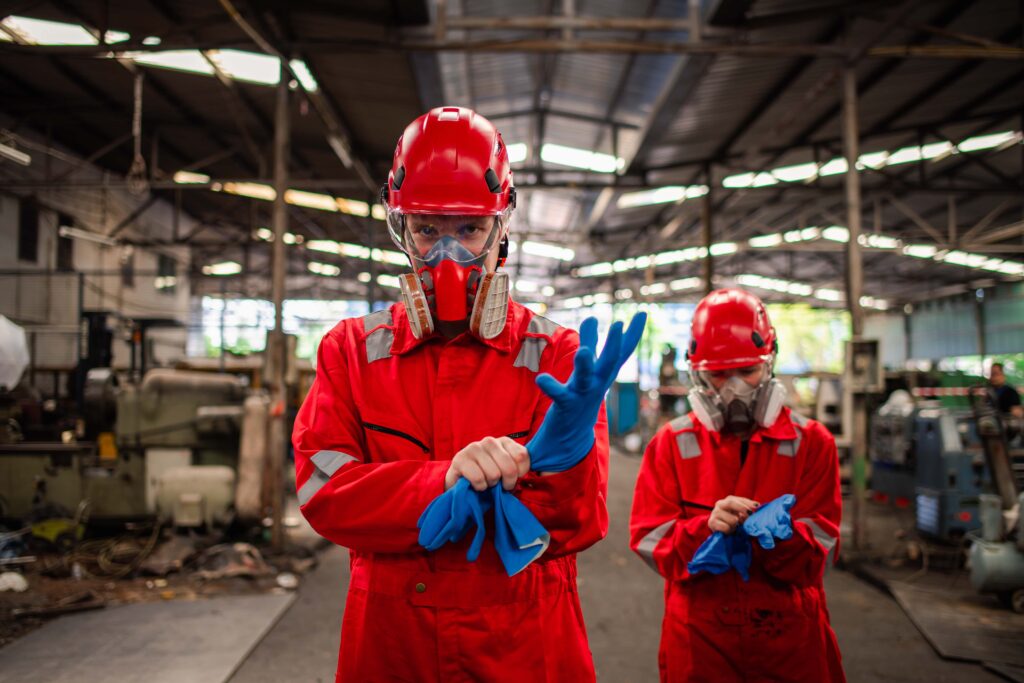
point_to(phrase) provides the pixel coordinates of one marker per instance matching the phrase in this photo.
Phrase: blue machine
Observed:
(623, 407)
(950, 473)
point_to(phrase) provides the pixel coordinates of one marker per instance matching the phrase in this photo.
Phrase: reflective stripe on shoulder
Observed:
(687, 442)
(649, 542)
(326, 463)
(798, 418)
(378, 342)
(790, 447)
(827, 542)
(533, 347)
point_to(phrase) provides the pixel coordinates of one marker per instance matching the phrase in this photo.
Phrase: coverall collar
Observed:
(405, 341)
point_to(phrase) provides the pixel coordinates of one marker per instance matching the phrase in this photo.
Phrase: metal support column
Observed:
(854, 288)
(276, 435)
(706, 218)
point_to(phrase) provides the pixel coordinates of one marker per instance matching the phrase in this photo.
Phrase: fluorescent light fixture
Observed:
(602, 298)
(623, 294)
(378, 212)
(872, 302)
(395, 258)
(516, 152)
(526, 286)
(935, 150)
(223, 268)
(685, 283)
(655, 288)
(796, 173)
(580, 158)
(826, 294)
(548, 250)
(364, 277)
(547, 290)
(595, 270)
(251, 190)
(265, 234)
(572, 302)
(905, 155)
(980, 142)
(723, 248)
(44, 32)
(919, 250)
(191, 178)
(385, 280)
(872, 160)
(836, 233)
(165, 282)
(252, 67)
(311, 200)
(86, 235)
(152, 41)
(660, 195)
(738, 180)
(303, 75)
(326, 246)
(327, 269)
(876, 241)
(292, 238)
(833, 167)
(15, 155)
(353, 207)
(765, 241)
(190, 61)
(354, 250)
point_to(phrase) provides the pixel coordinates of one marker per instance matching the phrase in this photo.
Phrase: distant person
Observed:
(1007, 398)
(710, 471)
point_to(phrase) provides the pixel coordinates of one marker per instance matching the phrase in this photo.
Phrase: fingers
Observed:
(584, 367)
(588, 333)
(607, 365)
(489, 461)
(738, 505)
(633, 334)
(730, 512)
(554, 389)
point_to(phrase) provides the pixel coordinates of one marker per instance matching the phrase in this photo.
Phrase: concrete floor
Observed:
(622, 603)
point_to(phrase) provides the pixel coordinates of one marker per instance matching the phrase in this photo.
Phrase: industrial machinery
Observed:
(997, 557)
(170, 446)
(931, 456)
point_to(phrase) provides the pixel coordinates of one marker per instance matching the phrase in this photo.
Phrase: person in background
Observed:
(1007, 398)
(711, 471)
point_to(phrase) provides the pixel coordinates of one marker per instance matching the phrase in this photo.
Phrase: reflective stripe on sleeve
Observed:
(649, 542)
(326, 463)
(791, 446)
(827, 542)
(378, 342)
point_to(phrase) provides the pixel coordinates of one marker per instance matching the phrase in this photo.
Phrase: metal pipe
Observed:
(854, 288)
(278, 263)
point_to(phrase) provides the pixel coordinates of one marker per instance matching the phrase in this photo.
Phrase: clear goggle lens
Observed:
(416, 234)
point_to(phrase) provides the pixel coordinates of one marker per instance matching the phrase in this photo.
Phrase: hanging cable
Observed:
(137, 181)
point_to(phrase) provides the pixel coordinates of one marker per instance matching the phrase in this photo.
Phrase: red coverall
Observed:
(719, 628)
(373, 441)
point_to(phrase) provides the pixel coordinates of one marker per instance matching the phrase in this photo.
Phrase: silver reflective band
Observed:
(649, 542)
(827, 542)
(791, 446)
(326, 463)
(687, 442)
(378, 343)
(681, 422)
(798, 418)
(533, 347)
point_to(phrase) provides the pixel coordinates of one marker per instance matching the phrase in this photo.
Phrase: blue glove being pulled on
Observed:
(772, 521)
(563, 439)
(722, 552)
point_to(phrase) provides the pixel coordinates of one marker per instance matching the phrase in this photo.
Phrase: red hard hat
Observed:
(730, 329)
(451, 160)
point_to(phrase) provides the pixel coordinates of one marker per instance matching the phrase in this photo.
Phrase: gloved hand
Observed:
(567, 433)
(564, 438)
(450, 516)
(771, 521)
(722, 552)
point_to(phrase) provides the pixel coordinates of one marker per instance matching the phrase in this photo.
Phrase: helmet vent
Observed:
(449, 114)
(758, 340)
(396, 182)
(493, 184)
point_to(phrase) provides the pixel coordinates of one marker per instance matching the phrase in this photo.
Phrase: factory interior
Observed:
(191, 193)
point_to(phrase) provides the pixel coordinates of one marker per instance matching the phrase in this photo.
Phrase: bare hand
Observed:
(730, 512)
(486, 462)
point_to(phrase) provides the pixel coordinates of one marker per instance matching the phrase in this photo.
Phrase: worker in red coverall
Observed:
(707, 471)
(441, 386)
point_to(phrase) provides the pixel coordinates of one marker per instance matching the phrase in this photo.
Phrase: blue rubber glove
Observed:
(567, 433)
(722, 552)
(771, 521)
(519, 537)
(451, 515)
